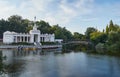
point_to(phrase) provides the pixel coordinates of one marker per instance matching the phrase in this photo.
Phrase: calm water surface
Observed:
(50, 63)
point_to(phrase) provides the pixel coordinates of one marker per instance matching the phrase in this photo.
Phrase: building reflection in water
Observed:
(17, 61)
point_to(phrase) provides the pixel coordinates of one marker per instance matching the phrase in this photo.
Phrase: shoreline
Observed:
(30, 46)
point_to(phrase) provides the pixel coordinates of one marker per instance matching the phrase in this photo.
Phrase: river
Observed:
(53, 63)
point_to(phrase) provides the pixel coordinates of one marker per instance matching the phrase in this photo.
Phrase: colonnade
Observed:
(22, 39)
(26, 39)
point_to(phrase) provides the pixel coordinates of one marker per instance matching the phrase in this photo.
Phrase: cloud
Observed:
(89, 19)
(66, 11)
(41, 5)
(63, 11)
(6, 9)
(53, 11)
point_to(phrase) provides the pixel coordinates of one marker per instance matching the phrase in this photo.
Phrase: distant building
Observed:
(33, 36)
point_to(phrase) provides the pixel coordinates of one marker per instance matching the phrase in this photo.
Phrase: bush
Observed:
(114, 48)
(49, 43)
(100, 48)
(22, 43)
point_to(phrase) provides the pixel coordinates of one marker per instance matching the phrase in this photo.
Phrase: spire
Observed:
(35, 27)
(35, 19)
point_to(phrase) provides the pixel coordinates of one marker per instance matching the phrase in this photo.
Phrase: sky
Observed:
(75, 15)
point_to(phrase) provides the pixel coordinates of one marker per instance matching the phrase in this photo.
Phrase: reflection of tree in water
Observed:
(15, 69)
(2, 65)
(12, 69)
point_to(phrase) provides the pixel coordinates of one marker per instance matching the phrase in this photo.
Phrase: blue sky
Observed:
(75, 15)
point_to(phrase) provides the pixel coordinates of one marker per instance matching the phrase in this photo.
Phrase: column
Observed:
(23, 38)
(38, 38)
(42, 39)
(20, 39)
(32, 39)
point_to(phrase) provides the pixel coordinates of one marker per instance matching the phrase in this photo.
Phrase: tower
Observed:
(35, 34)
(35, 27)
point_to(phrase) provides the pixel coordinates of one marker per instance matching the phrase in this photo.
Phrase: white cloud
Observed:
(53, 11)
(6, 9)
(64, 11)
(89, 19)
(67, 11)
(41, 5)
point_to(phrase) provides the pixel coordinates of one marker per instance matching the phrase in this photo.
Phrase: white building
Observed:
(33, 36)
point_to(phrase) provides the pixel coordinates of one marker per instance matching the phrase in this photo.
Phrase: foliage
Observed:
(89, 31)
(100, 48)
(78, 36)
(49, 43)
(110, 37)
(114, 41)
(18, 24)
(22, 43)
(98, 37)
(2, 65)
(43, 26)
(61, 33)
(111, 27)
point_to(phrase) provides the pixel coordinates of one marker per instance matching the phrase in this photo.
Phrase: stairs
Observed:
(37, 44)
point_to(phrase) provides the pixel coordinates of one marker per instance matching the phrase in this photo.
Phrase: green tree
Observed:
(61, 33)
(98, 37)
(78, 36)
(67, 34)
(15, 24)
(111, 26)
(43, 26)
(58, 32)
(114, 42)
(4, 26)
(107, 29)
(89, 31)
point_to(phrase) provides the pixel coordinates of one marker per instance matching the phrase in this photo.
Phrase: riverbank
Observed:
(106, 53)
(30, 46)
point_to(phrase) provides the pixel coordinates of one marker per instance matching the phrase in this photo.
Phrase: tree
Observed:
(78, 36)
(98, 37)
(43, 26)
(107, 29)
(114, 42)
(61, 33)
(58, 32)
(111, 26)
(15, 24)
(100, 48)
(89, 31)
(67, 34)
(4, 26)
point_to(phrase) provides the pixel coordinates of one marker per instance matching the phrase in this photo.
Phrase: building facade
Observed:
(33, 36)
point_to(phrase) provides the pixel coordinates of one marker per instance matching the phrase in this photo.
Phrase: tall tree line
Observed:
(107, 40)
(18, 24)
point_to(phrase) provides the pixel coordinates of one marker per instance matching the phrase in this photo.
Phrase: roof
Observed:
(8, 32)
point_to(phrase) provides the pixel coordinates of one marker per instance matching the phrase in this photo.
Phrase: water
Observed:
(50, 63)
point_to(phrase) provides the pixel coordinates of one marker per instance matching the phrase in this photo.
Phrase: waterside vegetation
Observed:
(106, 41)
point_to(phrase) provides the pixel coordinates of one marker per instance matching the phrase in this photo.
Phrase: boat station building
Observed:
(33, 36)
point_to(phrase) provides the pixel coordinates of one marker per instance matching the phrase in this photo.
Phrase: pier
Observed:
(30, 46)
